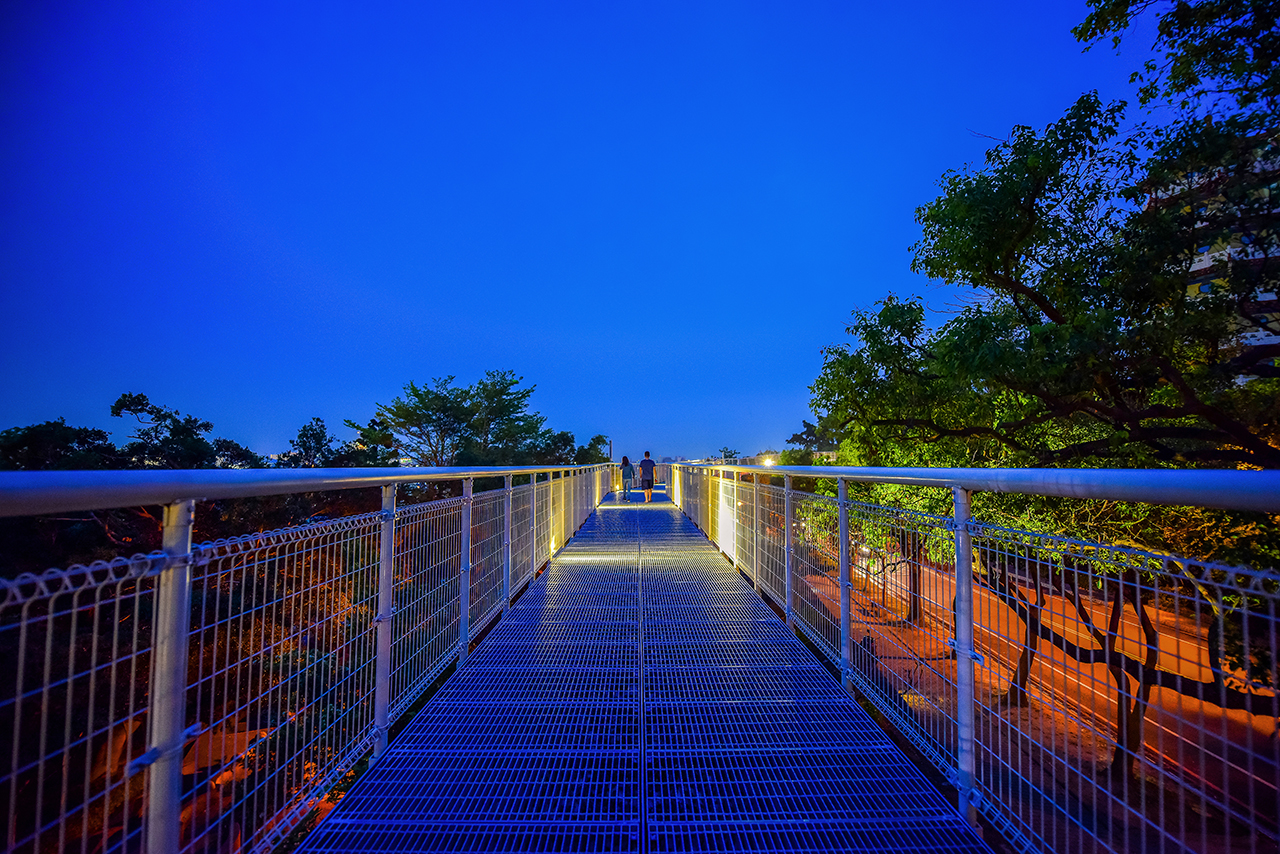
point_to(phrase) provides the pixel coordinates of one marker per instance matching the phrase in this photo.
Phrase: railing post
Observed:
(464, 580)
(846, 618)
(168, 713)
(965, 712)
(506, 542)
(755, 531)
(386, 593)
(790, 539)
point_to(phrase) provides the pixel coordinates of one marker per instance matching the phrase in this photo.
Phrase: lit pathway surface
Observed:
(641, 697)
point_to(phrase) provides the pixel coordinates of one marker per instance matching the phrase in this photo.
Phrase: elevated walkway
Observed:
(642, 697)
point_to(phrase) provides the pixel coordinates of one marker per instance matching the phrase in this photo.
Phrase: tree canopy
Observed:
(1120, 279)
(488, 423)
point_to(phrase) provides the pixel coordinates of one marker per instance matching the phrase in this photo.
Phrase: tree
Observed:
(1088, 339)
(316, 447)
(811, 439)
(1219, 55)
(727, 453)
(373, 447)
(430, 423)
(501, 428)
(594, 452)
(54, 445)
(168, 439)
(1084, 343)
(486, 424)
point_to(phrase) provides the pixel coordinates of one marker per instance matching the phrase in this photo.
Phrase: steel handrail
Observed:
(1223, 489)
(37, 492)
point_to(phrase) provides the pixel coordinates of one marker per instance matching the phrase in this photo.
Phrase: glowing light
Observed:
(770, 461)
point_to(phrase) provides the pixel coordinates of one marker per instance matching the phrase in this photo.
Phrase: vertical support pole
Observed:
(506, 542)
(168, 715)
(464, 579)
(755, 531)
(790, 538)
(965, 713)
(846, 617)
(382, 678)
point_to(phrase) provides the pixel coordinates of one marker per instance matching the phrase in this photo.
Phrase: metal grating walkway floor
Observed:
(641, 697)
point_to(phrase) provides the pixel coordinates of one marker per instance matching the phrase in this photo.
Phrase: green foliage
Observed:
(54, 445)
(485, 424)
(811, 438)
(168, 439)
(1217, 54)
(429, 422)
(316, 447)
(1088, 340)
(595, 452)
(795, 457)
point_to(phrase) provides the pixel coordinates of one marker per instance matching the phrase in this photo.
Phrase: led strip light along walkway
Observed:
(641, 697)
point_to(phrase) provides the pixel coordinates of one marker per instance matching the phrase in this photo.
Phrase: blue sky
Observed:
(658, 213)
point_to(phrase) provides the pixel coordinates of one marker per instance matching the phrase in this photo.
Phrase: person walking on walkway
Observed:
(627, 474)
(646, 477)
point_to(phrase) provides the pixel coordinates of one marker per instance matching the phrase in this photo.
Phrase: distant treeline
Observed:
(435, 424)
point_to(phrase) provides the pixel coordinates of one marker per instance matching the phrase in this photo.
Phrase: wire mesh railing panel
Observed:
(281, 677)
(543, 530)
(521, 536)
(488, 517)
(1125, 694)
(555, 515)
(724, 495)
(815, 570)
(76, 647)
(428, 561)
(902, 622)
(714, 504)
(1123, 700)
(560, 512)
(745, 529)
(280, 697)
(773, 542)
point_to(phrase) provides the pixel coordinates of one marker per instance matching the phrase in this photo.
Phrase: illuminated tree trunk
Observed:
(1131, 706)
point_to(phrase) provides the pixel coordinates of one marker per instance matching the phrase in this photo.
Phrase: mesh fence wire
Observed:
(77, 649)
(281, 667)
(1125, 699)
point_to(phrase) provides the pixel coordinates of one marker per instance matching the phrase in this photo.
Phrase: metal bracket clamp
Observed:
(975, 798)
(973, 527)
(154, 755)
(384, 618)
(973, 654)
